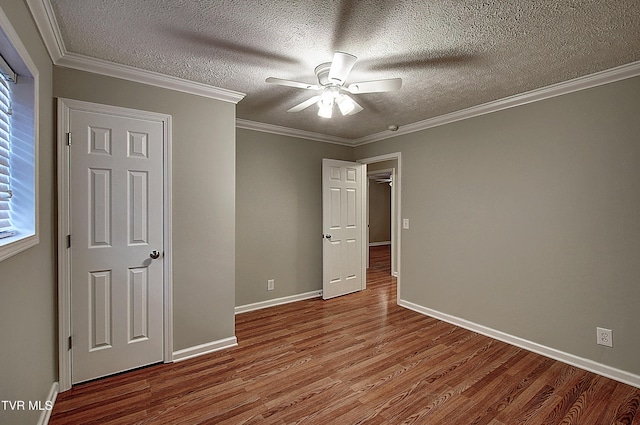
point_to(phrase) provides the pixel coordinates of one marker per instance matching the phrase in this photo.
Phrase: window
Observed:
(18, 144)
(6, 229)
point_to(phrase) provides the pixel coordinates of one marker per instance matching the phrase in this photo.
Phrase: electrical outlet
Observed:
(271, 284)
(405, 223)
(605, 337)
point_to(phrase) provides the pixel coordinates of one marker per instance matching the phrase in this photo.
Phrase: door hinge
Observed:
(68, 139)
(70, 342)
(68, 241)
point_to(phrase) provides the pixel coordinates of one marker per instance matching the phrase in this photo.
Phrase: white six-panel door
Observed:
(116, 222)
(344, 221)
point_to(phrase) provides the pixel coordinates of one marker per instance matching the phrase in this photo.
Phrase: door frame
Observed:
(65, 106)
(397, 184)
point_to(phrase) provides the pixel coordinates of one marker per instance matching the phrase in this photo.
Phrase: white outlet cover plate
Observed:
(605, 337)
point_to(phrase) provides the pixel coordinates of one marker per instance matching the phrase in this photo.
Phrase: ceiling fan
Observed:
(331, 80)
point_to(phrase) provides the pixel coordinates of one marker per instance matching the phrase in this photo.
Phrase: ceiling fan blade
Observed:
(341, 67)
(305, 104)
(290, 83)
(375, 86)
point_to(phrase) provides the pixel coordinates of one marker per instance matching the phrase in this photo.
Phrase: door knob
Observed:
(154, 255)
(327, 236)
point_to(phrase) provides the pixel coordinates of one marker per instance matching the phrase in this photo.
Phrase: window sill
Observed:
(17, 243)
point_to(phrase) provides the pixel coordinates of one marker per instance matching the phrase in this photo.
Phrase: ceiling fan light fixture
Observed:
(345, 104)
(325, 110)
(327, 97)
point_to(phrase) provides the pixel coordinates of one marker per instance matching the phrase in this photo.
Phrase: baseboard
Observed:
(380, 243)
(277, 301)
(582, 363)
(48, 403)
(209, 347)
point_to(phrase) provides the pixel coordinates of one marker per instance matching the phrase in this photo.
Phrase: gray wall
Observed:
(28, 357)
(527, 220)
(203, 197)
(524, 220)
(379, 212)
(279, 214)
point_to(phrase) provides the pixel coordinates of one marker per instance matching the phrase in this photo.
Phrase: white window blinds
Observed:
(5, 132)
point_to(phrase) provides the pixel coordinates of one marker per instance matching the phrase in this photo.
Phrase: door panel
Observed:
(116, 209)
(100, 310)
(343, 224)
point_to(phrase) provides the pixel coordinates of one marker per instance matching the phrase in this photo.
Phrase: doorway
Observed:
(379, 168)
(380, 211)
(114, 242)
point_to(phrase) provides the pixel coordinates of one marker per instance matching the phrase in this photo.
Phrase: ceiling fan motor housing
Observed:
(322, 73)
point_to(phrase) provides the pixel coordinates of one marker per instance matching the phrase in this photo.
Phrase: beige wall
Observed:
(279, 214)
(28, 356)
(203, 197)
(526, 220)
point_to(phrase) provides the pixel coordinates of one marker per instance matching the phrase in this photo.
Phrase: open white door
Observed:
(117, 243)
(344, 227)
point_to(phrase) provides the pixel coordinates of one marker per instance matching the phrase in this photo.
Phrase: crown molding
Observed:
(46, 22)
(612, 75)
(48, 27)
(99, 66)
(581, 83)
(293, 132)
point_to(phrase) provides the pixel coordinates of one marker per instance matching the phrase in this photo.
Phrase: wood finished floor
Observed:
(355, 359)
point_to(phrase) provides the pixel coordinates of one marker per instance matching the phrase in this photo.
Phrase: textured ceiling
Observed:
(451, 55)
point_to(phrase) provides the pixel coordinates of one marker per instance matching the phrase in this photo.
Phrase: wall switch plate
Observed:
(605, 337)
(271, 284)
(405, 223)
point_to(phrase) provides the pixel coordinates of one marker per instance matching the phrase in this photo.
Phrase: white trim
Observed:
(110, 69)
(581, 83)
(623, 72)
(168, 240)
(380, 243)
(364, 234)
(590, 365)
(292, 132)
(47, 25)
(397, 184)
(277, 301)
(394, 229)
(20, 242)
(17, 243)
(64, 257)
(51, 401)
(202, 349)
